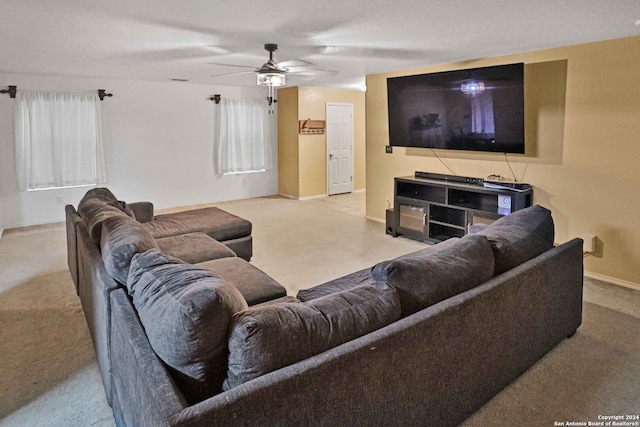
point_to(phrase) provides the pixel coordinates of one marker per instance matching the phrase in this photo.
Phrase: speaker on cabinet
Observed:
(391, 222)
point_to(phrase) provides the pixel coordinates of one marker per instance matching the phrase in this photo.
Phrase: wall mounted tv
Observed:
(480, 109)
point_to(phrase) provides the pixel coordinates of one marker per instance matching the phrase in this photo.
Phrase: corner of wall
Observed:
(288, 163)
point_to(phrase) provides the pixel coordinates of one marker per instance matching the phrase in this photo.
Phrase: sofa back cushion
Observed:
(520, 236)
(273, 336)
(121, 238)
(96, 194)
(186, 312)
(97, 205)
(359, 278)
(428, 277)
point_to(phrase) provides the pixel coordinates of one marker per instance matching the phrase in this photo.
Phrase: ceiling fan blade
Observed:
(312, 72)
(231, 65)
(232, 74)
(301, 78)
(294, 63)
(368, 51)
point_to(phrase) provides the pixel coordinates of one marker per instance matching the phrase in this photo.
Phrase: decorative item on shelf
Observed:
(311, 127)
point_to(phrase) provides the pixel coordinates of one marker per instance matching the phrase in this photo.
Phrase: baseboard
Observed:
(317, 196)
(287, 196)
(612, 280)
(373, 218)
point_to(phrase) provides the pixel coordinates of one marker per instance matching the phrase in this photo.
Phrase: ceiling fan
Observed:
(274, 74)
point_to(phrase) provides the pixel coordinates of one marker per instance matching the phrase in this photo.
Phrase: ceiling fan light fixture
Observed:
(271, 79)
(472, 88)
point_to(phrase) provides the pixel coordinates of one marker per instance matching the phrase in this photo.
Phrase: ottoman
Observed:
(226, 228)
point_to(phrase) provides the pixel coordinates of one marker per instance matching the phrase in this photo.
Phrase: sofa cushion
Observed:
(341, 284)
(242, 246)
(425, 278)
(186, 312)
(520, 236)
(270, 337)
(194, 247)
(142, 211)
(121, 238)
(362, 277)
(97, 205)
(215, 222)
(96, 194)
(285, 298)
(255, 285)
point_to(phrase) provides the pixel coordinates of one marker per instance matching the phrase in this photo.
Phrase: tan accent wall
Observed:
(309, 175)
(288, 184)
(582, 156)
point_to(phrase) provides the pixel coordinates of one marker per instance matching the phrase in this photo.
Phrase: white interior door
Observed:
(339, 135)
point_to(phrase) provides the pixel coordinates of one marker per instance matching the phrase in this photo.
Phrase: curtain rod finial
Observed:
(102, 93)
(216, 98)
(11, 91)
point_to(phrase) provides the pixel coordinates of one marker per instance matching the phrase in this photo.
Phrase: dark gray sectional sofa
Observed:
(423, 339)
(104, 233)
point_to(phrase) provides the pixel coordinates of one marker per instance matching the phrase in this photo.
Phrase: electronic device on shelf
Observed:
(479, 109)
(449, 178)
(506, 185)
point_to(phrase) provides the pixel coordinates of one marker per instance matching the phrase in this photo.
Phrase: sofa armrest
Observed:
(72, 219)
(144, 393)
(142, 210)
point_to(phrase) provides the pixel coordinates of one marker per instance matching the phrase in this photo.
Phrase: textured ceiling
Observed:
(165, 39)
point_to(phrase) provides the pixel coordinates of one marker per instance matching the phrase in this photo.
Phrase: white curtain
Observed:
(242, 136)
(482, 113)
(58, 140)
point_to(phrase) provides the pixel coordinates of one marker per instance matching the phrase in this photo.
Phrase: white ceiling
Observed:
(165, 39)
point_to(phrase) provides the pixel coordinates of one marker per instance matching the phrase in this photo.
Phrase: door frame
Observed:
(326, 142)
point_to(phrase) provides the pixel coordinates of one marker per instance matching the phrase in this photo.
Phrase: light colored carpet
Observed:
(48, 370)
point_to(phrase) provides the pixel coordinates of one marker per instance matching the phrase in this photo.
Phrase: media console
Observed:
(437, 209)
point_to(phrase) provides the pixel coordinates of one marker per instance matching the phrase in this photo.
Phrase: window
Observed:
(243, 136)
(58, 140)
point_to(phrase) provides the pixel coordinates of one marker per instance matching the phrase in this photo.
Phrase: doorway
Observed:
(339, 137)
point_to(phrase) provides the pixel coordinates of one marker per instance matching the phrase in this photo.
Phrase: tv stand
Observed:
(435, 210)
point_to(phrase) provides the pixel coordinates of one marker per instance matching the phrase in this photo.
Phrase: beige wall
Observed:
(582, 147)
(308, 178)
(288, 142)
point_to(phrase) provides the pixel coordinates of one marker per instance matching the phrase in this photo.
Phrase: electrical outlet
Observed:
(589, 243)
(388, 149)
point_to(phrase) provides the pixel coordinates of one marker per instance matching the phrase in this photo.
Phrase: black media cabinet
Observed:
(436, 210)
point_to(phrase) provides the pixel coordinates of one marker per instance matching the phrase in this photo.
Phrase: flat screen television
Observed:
(479, 109)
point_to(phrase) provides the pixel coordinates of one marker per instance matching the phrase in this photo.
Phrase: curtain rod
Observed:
(13, 89)
(102, 93)
(217, 97)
